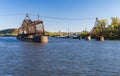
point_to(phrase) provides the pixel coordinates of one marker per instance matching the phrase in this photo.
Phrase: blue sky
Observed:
(12, 13)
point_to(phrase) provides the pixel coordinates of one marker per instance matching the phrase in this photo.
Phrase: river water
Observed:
(59, 57)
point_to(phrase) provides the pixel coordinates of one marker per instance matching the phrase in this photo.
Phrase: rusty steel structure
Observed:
(94, 27)
(97, 30)
(30, 27)
(32, 31)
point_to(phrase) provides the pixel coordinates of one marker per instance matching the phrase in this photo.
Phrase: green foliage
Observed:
(84, 34)
(111, 31)
(100, 26)
(115, 21)
(9, 32)
(55, 34)
(102, 23)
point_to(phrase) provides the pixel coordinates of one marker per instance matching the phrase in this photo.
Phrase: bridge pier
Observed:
(40, 38)
(80, 37)
(44, 39)
(100, 38)
(88, 38)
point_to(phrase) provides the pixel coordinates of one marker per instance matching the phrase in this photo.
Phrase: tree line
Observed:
(109, 31)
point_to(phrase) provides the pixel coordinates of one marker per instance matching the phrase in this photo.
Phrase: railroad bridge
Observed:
(32, 30)
(97, 32)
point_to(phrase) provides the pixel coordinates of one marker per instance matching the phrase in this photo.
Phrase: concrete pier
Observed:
(41, 39)
(44, 39)
(101, 38)
(88, 38)
(80, 37)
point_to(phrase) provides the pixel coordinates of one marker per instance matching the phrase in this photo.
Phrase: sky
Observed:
(58, 15)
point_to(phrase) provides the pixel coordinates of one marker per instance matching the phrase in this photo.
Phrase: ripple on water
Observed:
(59, 57)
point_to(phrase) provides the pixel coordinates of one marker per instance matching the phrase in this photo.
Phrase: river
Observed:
(59, 57)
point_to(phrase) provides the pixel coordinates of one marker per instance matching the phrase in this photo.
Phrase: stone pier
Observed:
(88, 38)
(101, 38)
(44, 39)
(80, 37)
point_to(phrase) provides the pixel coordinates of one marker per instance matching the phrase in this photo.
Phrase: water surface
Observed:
(59, 57)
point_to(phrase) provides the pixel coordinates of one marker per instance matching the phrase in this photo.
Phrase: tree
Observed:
(101, 26)
(102, 23)
(115, 23)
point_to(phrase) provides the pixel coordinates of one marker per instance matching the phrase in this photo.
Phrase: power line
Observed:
(61, 18)
(10, 14)
(64, 18)
(49, 17)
